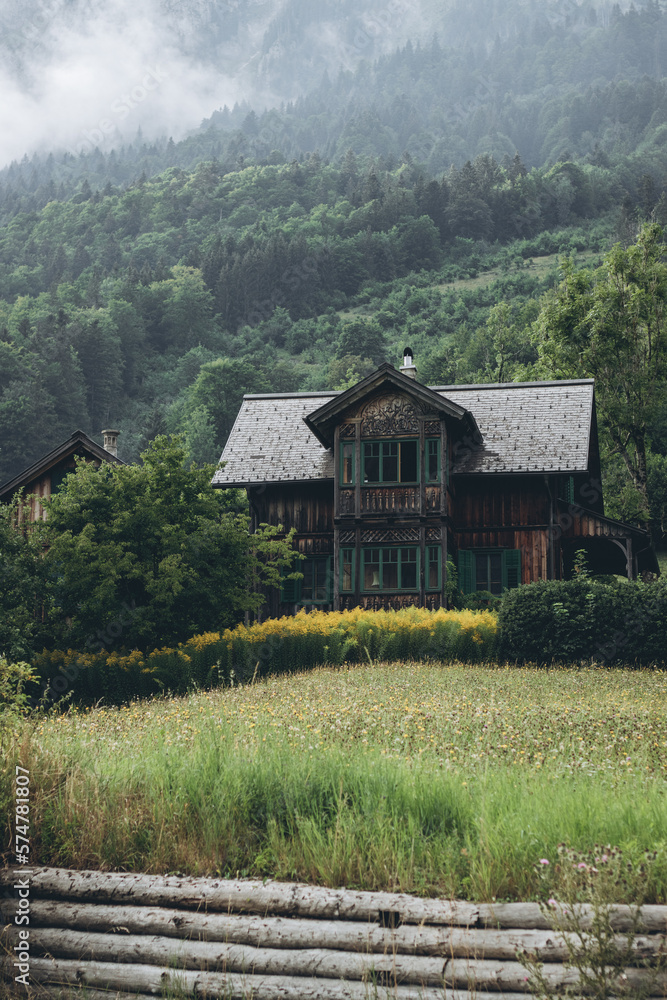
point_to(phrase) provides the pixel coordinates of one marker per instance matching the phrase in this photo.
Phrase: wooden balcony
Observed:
(390, 501)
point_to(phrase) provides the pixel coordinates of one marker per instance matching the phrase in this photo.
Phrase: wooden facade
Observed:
(404, 480)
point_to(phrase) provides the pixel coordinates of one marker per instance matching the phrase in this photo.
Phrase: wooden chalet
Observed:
(386, 481)
(41, 479)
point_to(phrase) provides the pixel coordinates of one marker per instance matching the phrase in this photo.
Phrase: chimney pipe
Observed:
(111, 442)
(408, 367)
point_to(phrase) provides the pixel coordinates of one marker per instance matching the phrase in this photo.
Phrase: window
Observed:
(347, 570)
(493, 570)
(390, 462)
(433, 460)
(433, 567)
(347, 463)
(316, 585)
(390, 569)
(489, 572)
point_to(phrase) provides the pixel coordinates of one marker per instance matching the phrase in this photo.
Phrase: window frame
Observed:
(386, 441)
(427, 455)
(467, 568)
(400, 589)
(353, 576)
(291, 591)
(427, 569)
(487, 556)
(347, 443)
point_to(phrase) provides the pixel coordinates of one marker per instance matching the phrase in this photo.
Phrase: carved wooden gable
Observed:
(385, 416)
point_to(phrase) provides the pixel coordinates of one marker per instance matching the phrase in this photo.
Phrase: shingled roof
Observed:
(271, 443)
(527, 427)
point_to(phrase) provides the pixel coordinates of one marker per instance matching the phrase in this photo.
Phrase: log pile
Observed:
(121, 935)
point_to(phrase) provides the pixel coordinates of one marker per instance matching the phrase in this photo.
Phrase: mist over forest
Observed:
(201, 199)
(76, 74)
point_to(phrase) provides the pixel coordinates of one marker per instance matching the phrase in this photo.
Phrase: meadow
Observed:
(475, 782)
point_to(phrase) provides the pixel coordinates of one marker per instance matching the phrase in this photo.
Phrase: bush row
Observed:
(564, 622)
(585, 619)
(275, 646)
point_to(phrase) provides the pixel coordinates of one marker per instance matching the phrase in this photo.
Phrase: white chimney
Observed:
(408, 367)
(111, 442)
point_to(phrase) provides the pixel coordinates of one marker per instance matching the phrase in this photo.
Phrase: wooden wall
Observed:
(40, 489)
(307, 507)
(533, 544)
(504, 512)
(489, 501)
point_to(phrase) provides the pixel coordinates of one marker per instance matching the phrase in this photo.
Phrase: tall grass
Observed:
(228, 783)
(275, 646)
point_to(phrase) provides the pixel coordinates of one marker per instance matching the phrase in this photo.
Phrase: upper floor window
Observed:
(433, 460)
(390, 462)
(347, 462)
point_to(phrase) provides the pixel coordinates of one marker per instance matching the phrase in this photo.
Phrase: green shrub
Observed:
(16, 681)
(584, 619)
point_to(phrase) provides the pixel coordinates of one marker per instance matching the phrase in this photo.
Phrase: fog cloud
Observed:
(75, 74)
(92, 79)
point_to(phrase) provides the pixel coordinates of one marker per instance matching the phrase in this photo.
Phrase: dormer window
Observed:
(390, 462)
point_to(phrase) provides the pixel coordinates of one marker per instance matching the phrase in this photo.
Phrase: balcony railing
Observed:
(390, 500)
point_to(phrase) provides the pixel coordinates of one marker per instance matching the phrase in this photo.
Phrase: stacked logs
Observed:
(149, 935)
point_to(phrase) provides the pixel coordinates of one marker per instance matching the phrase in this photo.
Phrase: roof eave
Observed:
(52, 458)
(248, 484)
(563, 471)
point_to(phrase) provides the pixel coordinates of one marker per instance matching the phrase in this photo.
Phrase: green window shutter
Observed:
(290, 591)
(511, 568)
(467, 582)
(330, 581)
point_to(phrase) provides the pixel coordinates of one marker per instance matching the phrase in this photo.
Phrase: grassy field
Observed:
(452, 780)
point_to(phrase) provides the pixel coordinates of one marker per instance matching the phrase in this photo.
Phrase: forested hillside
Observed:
(151, 285)
(111, 303)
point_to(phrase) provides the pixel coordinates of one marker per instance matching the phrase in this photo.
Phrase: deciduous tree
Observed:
(147, 555)
(610, 324)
